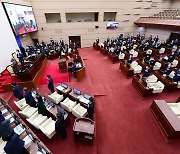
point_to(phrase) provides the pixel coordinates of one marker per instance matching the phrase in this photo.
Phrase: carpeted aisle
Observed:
(123, 121)
(53, 69)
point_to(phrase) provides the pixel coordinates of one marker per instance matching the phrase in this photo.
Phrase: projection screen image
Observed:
(21, 18)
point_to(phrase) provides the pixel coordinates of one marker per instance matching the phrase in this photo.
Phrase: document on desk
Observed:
(28, 141)
(8, 116)
(4, 111)
(60, 88)
(48, 107)
(19, 129)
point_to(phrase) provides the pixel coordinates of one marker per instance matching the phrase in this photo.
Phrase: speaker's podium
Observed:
(62, 65)
(84, 129)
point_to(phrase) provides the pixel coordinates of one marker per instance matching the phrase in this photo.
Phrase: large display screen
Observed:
(21, 18)
(112, 25)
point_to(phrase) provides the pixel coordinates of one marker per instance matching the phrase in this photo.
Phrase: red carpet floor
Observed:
(53, 70)
(123, 121)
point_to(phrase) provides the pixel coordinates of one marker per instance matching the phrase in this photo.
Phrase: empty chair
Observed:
(137, 69)
(79, 111)
(21, 104)
(28, 111)
(48, 128)
(121, 55)
(162, 50)
(157, 66)
(151, 80)
(134, 64)
(174, 63)
(134, 53)
(68, 104)
(158, 87)
(37, 119)
(55, 97)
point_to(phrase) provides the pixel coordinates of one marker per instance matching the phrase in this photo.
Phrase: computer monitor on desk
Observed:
(76, 91)
(64, 85)
(86, 96)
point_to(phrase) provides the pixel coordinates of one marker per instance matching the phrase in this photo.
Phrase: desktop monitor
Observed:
(76, 91)
(64, 85)
(21, 18)
(87, 96)
(59, 109)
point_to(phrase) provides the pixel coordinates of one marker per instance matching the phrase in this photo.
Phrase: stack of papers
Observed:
(4, 111)
(8, 116)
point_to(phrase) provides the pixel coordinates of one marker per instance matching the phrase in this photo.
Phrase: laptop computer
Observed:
(86, 96)
(64, 85)
(76, 91)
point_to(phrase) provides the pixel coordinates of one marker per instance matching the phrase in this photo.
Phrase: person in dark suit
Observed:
(171, 57)
(15, 66)
(17, 91)
(60, 126)
(20, 57)
(97, 41)
(176, 77)
(167, 70)
(6, 131)
(15, 145)
(147, 58)
(29, 98)
(90, 109)
(129, 60)
(50, 84)
(41, 107)
(147, 72)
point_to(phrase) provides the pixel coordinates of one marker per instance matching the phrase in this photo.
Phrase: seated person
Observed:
(29, 98)
(129, 60)
(152, 62)
(14, 145)
(6, 131)
(171, 57)
(167, 70)
(176, 77)
(147, 72)
(147, 58)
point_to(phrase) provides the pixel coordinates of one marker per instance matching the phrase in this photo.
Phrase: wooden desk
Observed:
(141, 87)
(103, 51)
(166, 119)
(125, 69)
(63, 91)
(169, 86)
(84, 129)
(53, 55)
(96, 47)
(113, 57)
(62, 65)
